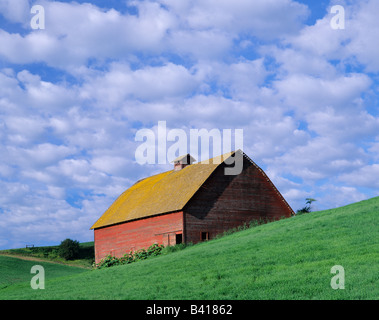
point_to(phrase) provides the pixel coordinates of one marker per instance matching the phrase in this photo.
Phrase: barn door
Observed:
(166, 239)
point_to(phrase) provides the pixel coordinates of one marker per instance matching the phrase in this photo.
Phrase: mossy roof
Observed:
(165, 192)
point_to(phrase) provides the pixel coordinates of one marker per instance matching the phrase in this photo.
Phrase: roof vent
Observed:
(183, 161)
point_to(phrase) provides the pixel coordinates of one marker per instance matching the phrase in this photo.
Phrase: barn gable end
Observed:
(226, 201)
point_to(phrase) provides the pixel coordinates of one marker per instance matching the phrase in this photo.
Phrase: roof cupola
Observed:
(183, 161)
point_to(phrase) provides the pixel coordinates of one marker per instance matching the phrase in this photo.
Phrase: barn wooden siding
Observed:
(224, 202)
(122, 238)
(193, 204)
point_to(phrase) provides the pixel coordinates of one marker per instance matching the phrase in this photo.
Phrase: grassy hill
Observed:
(15, 270)
(287, 259)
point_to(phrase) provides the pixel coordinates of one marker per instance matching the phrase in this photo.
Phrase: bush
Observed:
(142, 254)
(69, 249)
(127, 258)
(110, 261)
(155, 249)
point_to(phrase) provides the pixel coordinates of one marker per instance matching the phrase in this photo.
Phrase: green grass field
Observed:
(287, 259)
(14, 270)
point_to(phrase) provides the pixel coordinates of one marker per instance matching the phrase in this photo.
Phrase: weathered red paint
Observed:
(122, 238)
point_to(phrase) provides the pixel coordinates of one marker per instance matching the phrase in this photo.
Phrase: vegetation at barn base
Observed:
(142, 254)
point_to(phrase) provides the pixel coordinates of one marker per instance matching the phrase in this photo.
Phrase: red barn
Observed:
(192, 203)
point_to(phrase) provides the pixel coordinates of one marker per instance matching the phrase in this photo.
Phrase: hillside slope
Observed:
(287, 259)
(15, 270)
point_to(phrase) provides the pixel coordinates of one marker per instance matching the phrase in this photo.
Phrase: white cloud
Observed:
(150, 83)
(356, 42)
(200, 44)
(44, 95)
(262, 18)
(110, 165)
(320, 158)
(294, 61)
(22, 130)
(320, 39)
(309, 94)
(15, 11)
(75, 33)
(365, 176)
(56, 192)
(33, 47)
(242, 80)
(13, 193)
(364, 31)
(350, 126)
(38, 156)
(337, 196)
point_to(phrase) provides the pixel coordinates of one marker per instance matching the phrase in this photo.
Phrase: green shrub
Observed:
(142, 254)
(53, 254)
(127, 258)
(69, 249)
(155, 249)
(109, 261)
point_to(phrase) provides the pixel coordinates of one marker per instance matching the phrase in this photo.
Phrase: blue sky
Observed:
(73, 95)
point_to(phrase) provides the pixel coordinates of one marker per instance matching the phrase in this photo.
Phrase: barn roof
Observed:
(165, 192)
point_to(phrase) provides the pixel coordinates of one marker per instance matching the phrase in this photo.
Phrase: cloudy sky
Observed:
(74, 94)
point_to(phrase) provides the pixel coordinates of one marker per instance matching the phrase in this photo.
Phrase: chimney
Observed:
(183, 161)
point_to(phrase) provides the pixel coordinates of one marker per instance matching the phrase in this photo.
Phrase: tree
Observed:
(69, 249)
(307, 208)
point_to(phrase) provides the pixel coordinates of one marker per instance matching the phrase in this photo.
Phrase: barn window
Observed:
(179, 238)
(204, 236)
